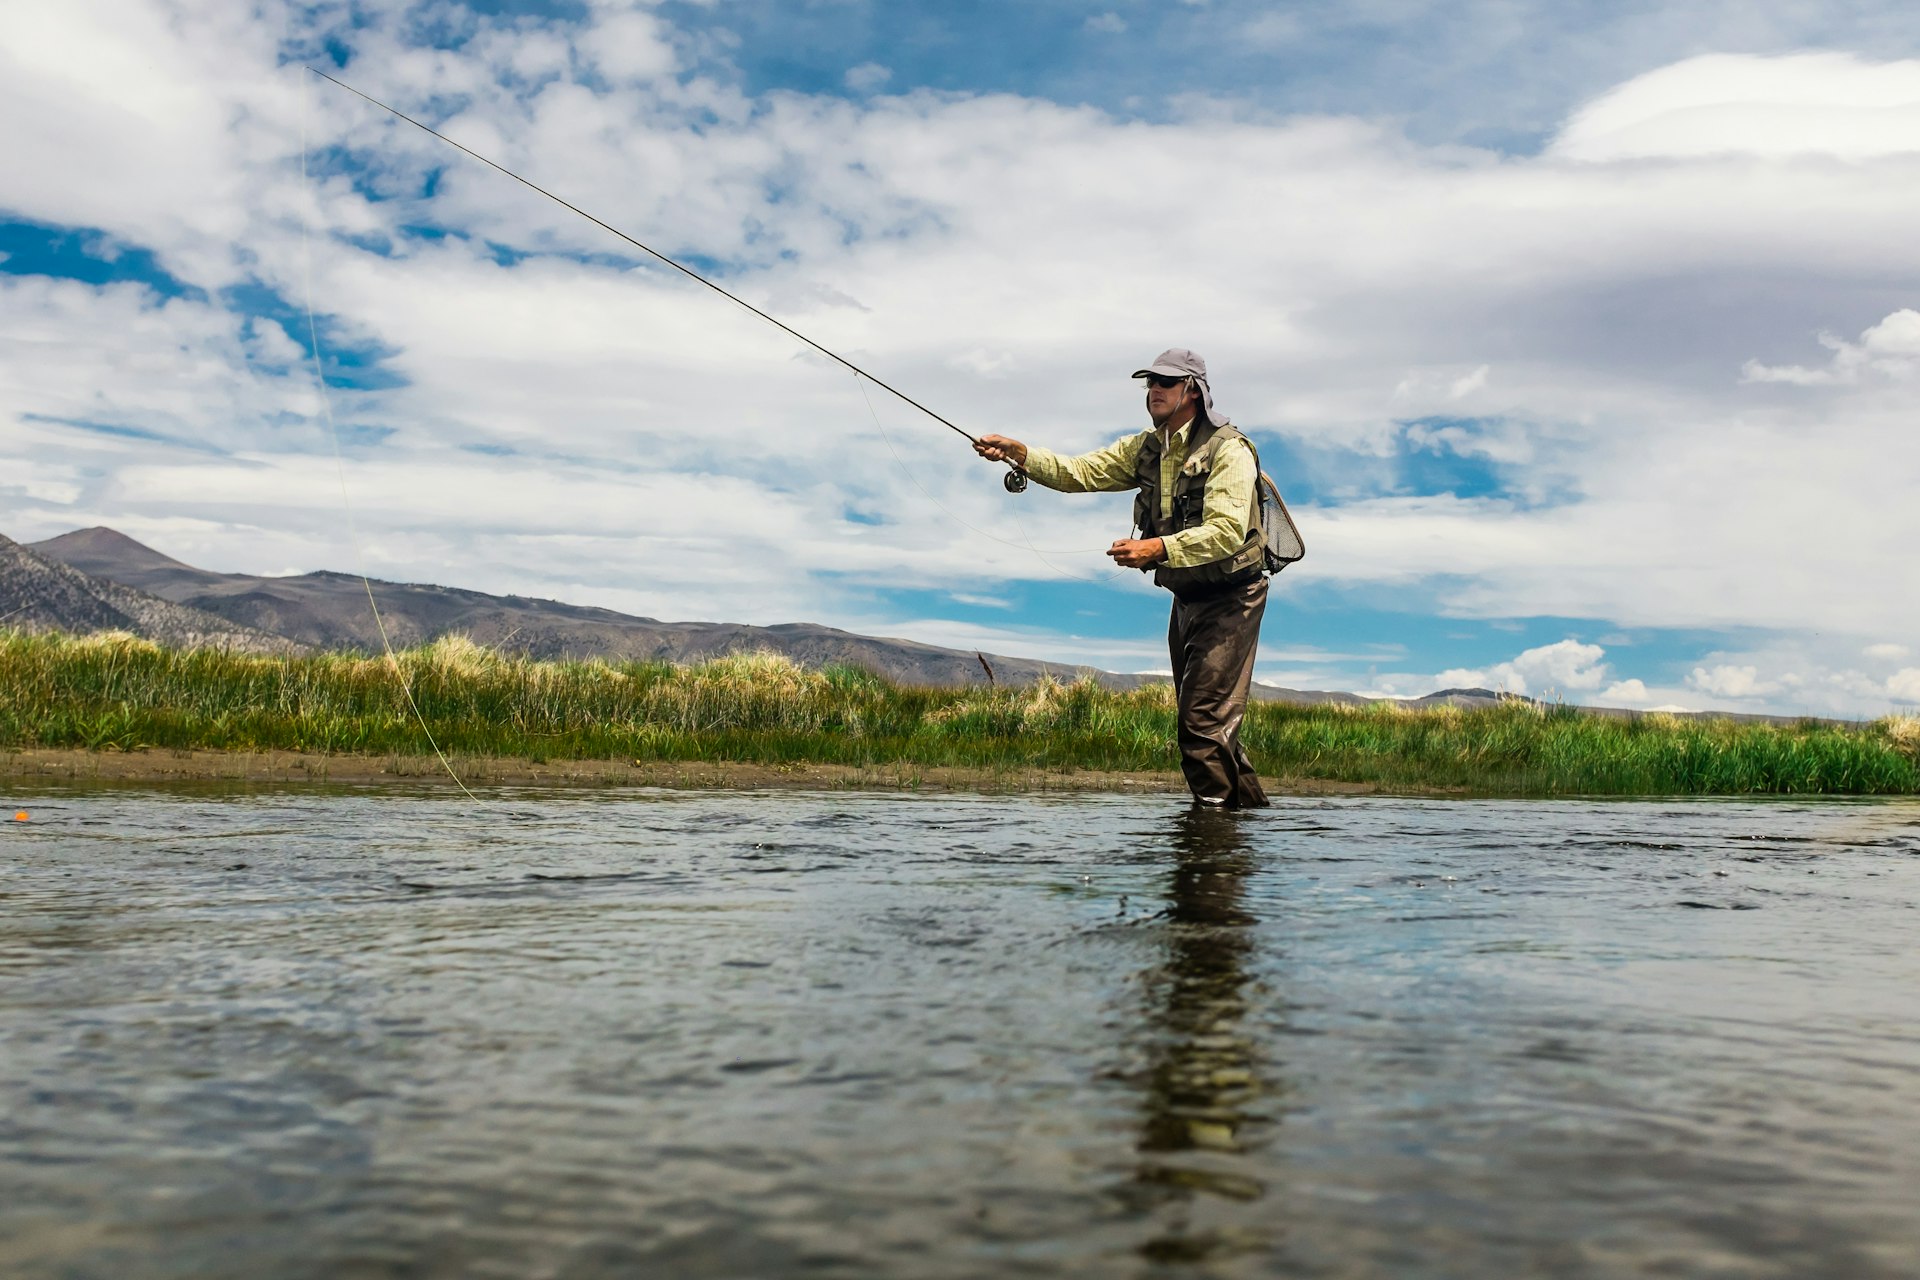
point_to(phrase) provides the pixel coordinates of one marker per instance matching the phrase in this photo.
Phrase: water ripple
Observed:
(360, 1032)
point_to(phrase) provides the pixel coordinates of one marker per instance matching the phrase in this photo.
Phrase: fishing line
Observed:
(340, 462)
(1078, 577)
(1015, 480)
(1026, 545)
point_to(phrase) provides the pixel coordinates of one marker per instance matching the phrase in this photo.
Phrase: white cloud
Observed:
(1424, 391)
(1566, 670)
(148, 95)
(1567, 665)
(1890, 348)
(1725, 681)
(1887, 652)
(1469, 384)
(1587, 310)
(628, 46)
(1789, 677)
(1904, 685)
(867, 77)
(1632, 693)
(1107, 23)
(1828, 104)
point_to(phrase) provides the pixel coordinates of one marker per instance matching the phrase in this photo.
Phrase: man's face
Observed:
(1170, 399)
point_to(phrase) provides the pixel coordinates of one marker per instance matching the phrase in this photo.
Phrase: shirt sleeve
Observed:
(1223, 518)
(1105, 470)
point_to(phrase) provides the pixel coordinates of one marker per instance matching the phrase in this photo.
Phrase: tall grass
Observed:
(114, 692)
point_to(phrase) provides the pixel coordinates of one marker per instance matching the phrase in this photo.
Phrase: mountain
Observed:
(38, 593)
(329, 611)
(326, 610)
(99, 579)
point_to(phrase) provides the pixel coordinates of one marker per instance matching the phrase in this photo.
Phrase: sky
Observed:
(1582, 338)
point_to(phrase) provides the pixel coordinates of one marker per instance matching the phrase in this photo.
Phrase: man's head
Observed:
(1177, 388)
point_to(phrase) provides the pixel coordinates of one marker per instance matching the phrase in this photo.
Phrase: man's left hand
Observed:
(1142, 553)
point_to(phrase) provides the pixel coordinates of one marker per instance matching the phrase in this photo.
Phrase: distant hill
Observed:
(329, 611)
(326, 610)
(38, 593)
(99, 579)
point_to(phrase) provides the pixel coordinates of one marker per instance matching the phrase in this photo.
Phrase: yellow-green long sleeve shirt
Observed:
(1223, 518)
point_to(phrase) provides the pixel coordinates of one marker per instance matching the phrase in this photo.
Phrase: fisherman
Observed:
(1200, 534)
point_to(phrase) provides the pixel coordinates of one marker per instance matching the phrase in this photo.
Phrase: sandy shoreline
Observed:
(295, 768)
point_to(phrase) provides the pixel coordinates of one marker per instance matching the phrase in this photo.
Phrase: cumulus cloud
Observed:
(1792, 676)
(626, 46)
(1725, 681)
(1631, 693)
(1890, 349)
(1824, 104)
(1565, 667)
(1904, 685)
(867, 77)
(998, 257)
(1433, 388)
(1566, 670)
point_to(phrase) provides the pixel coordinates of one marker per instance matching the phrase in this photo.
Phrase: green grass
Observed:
(117, 693)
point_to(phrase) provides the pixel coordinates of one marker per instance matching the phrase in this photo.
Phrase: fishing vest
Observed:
(1189, 506)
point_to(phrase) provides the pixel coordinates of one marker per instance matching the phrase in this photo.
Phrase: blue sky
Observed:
(1580, 336)
(1498, 75)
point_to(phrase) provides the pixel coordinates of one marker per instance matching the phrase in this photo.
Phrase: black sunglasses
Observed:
(1163, 382)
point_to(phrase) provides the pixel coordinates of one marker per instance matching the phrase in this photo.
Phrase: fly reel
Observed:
(1015, 481)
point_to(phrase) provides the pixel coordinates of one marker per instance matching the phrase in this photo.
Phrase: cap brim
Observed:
(1163, 370)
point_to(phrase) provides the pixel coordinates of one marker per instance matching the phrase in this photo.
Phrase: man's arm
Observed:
(1105, 470)
(1223, 520)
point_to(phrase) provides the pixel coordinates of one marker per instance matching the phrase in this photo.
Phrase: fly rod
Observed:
(1015, 480)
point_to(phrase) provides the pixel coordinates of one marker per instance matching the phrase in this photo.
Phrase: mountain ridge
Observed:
(100, 579)
(40, 593)
(326, 609)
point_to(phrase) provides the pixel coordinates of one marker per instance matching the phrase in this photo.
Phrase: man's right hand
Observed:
(1001, 449)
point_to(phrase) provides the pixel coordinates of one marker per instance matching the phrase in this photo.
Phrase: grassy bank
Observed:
(120, 694)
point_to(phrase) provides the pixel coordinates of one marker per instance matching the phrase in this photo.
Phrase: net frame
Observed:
(1284, 543)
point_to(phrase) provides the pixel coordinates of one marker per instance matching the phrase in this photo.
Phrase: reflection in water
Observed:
(1203, 1081)
(359, 1033)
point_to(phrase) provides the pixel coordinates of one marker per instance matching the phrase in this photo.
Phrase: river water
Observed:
(361, 1033)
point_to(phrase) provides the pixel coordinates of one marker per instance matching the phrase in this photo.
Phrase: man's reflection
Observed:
(1203, 1081)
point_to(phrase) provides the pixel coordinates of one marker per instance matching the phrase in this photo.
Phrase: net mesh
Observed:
(1283, 536)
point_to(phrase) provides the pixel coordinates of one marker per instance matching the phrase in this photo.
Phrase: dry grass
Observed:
(1903, 731)
(116, 692)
